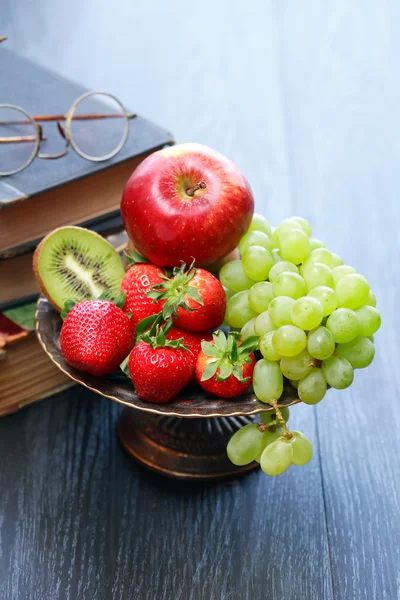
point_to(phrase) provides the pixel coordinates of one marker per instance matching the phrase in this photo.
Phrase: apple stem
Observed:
(200, 186)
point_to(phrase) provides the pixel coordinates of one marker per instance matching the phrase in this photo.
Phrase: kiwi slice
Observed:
(77, 264)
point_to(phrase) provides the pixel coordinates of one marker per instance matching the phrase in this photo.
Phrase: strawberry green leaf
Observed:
(210, 370)
(124, 366)
(225, 371)
(249, 344)
(134, 257)
(146, 323)
(238, 373)
(107, 295)
(120, 300)
(220, 340)
(194, 294)
(210, 349)
(67, 307)
(168, 326)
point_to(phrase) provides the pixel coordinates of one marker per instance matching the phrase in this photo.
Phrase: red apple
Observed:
(184, 202)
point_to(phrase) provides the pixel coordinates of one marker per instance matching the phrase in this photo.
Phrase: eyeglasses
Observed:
(96, 127)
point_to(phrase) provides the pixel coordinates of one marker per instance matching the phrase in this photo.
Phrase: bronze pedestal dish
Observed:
(185, 438)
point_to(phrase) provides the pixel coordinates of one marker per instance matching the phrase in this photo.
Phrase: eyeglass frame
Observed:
(67, 134)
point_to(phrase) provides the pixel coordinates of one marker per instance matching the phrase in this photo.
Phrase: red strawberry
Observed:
(135, 283)
(96, 336)
(195, 298)
(225, 367)
(159, 368)
(192, 342)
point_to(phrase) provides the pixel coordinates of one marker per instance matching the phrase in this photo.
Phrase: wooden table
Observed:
(304, 97)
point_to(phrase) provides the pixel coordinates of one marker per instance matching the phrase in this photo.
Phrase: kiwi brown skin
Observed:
(36, 256)
(35, 265)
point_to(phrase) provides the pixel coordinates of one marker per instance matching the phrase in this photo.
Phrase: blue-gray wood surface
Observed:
(304, 97)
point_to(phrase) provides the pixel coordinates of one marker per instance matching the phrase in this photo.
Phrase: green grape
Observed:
(276, 257)
(282, 266)
(294, 245)
(360, 352)
(321, 343)
(260, 295)
(338, 372)
(336, 260)
(228, 293)
(307, 313)
(352, 291)
(369, 319)
(296, 367)
(248, 329)
(370, 337)
(371, 300)
(254, 238)
(269, 418)
(312, 388)
(315, 243)
(238, 310)
(344, 325)
(233, 277)
(294, 383)
(260, 223)
(266, 347)
(257, 262)
(277, 457)
(289, 284)
(341, 271)
(267, 380)
(268, 438)
(289, 340)
(326, 296)
(317, 274)
(320, 255)
(304, 224)
(263, 323)
(302, 449)
(245, 445)
(279, 310)
(286, 225)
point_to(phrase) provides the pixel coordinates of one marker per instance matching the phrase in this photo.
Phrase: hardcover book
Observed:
(69, 190)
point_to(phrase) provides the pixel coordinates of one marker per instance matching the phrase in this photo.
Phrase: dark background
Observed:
(304, 97)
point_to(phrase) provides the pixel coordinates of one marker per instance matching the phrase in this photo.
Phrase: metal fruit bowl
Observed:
(194, 423)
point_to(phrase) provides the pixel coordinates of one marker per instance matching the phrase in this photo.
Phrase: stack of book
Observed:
(46, 195)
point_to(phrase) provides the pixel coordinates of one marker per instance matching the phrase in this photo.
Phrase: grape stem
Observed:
(285, 431)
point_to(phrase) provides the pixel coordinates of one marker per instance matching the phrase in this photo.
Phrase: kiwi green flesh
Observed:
(77, 264)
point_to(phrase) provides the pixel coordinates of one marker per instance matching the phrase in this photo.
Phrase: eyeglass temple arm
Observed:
(26, 138)
(87, 117)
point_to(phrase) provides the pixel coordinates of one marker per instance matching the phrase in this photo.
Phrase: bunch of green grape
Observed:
(314, 315)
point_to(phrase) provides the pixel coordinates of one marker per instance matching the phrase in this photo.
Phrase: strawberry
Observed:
(192, 341)
(135, 283)
(195, 298)
(159, 368)
(225, 367)
(96, 336)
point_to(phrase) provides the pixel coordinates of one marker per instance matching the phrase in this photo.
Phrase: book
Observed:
(26, 373)
(17, 280)
(69, 190)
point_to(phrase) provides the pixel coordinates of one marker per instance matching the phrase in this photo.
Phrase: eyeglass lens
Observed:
(98, 137)
(18, 140)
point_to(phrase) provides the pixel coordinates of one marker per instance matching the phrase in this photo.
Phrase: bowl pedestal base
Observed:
(187, 449)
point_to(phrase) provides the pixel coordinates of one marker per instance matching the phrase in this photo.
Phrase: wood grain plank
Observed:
(344, 130)
(81, 520)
